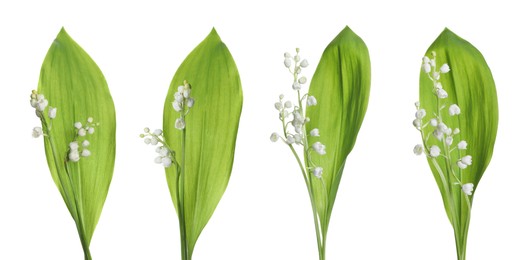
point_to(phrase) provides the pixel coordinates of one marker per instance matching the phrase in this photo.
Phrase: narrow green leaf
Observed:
(73, 83)
(341, 84)
(211, 130)
(470, 85)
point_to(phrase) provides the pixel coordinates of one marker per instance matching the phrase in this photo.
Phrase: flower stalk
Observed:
(69, 165)
(294, 134)
(167, 157)
(448, 154)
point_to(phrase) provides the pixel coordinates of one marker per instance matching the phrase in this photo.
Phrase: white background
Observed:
(388, 206)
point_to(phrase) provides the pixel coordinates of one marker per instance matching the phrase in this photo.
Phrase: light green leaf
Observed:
(341, 85)
(470, 85)
(211, 130)
(73, 83)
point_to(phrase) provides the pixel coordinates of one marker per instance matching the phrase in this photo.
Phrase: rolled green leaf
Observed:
(210, 132)
(341, 84)
(469, 85)
(72, 83)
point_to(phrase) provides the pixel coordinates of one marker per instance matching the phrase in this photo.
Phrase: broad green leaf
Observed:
(211, 130)
(470, 85)
(341, 84)
(73, 83)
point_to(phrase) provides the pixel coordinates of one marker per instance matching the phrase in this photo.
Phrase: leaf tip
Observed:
(214, 35)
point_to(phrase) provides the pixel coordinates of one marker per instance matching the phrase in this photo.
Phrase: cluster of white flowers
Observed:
(165, 154)
(40, 103)
(436, 127)
(293, 115)
(81, 131)
(182, 104)
(74, 155)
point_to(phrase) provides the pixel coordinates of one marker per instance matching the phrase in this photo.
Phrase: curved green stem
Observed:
(179, 193)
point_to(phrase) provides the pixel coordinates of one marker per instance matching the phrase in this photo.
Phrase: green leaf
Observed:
(73, 83)
(470, 85)
(211, 131)
(341, 85)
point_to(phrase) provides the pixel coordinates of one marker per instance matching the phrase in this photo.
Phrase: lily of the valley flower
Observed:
(317, 171)
(165, 154)
(468, 188)
(183, 103)
(292, 116)
(462, 145)
(435, 151)
(319, 148)
(37, 132)
(445, 136)
(454, 110)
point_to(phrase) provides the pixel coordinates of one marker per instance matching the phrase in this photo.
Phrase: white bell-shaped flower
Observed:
(418, 149)
(468, 188)
(462, 145)
(314, 132)
(319, 148)
(317, 171)
(435, 151)
(454, 110)
(445, 68)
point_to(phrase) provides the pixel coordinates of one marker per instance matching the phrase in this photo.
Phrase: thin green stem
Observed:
(72, 205)
(179, 193)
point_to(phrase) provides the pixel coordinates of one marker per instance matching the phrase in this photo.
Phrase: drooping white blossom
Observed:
(74, 145)
(52, 112)
(302, 80)
(278, 105)
(449, 140)
(468, 160)
(37, 132)
(85, 153)
(426, 67)
(444, 68)
(468, 188)
(275, 137)
(311, 101)
(74, 156)
(191, 102)
(454, 110)
(304, 63)
(317, 172)
(297, 86)
(180, 123)
(319, 148)
(436, 75)
(441, 93)
(417, 123)
(287, 62)
(314, 132)
(420, 114)
(78, 125)
(418, 149)
(433, 122)
(462, 145)
(435, 151)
